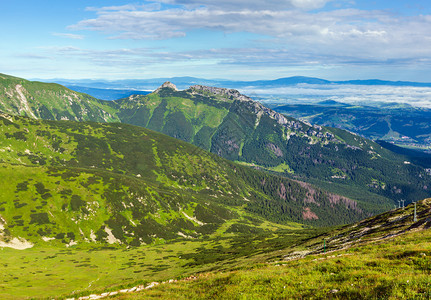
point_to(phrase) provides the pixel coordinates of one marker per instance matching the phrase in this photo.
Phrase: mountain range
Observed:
(235, 127)
(107, 94)
(185, 82)
(105, 197)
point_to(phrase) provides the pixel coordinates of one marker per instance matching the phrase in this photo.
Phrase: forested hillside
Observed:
(76, 182)
(236, 127)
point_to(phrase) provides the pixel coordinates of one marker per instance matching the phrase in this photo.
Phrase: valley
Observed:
(203, 183)
(240, 150)
(402, 125)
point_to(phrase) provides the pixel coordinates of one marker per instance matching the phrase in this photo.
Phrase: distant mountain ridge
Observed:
(185, 82)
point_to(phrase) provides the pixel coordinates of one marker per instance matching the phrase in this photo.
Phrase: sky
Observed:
(224, 39)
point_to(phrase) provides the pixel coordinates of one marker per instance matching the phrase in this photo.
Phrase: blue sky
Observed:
(241, 40)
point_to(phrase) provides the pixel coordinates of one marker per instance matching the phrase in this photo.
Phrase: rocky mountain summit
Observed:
(258, 109)
(226, 94)
(167, 84)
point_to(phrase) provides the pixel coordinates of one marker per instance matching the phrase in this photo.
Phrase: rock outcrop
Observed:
(167, 84)
(259, 109)
(230, 94)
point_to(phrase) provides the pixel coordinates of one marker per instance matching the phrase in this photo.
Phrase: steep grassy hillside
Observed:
(50, 101)
(101, 207)
(93, 182)
(235, 127)
(48, 271)
(385, 257)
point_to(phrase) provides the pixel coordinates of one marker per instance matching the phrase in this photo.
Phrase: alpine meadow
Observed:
(185, 149)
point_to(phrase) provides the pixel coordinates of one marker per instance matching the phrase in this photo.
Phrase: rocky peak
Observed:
(232, 94)
(228, 93)
(167, 84)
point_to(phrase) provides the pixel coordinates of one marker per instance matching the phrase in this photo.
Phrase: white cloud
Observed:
(228, 58)
(127, 7)
(353, 94)
(359, 33)
(292, 32)
(162, 24)
(252, 4)
(69, 36)
(309, 4)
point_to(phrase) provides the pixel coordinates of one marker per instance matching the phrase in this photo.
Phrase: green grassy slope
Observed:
(46, 271)
(107, 206)
(100, 205)
(50, 101)
(97, 182)
(399, 269)
(385, 257)
(239, 129)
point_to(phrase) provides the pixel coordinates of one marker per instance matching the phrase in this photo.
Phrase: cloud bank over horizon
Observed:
(334, 39)
(344, 93)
